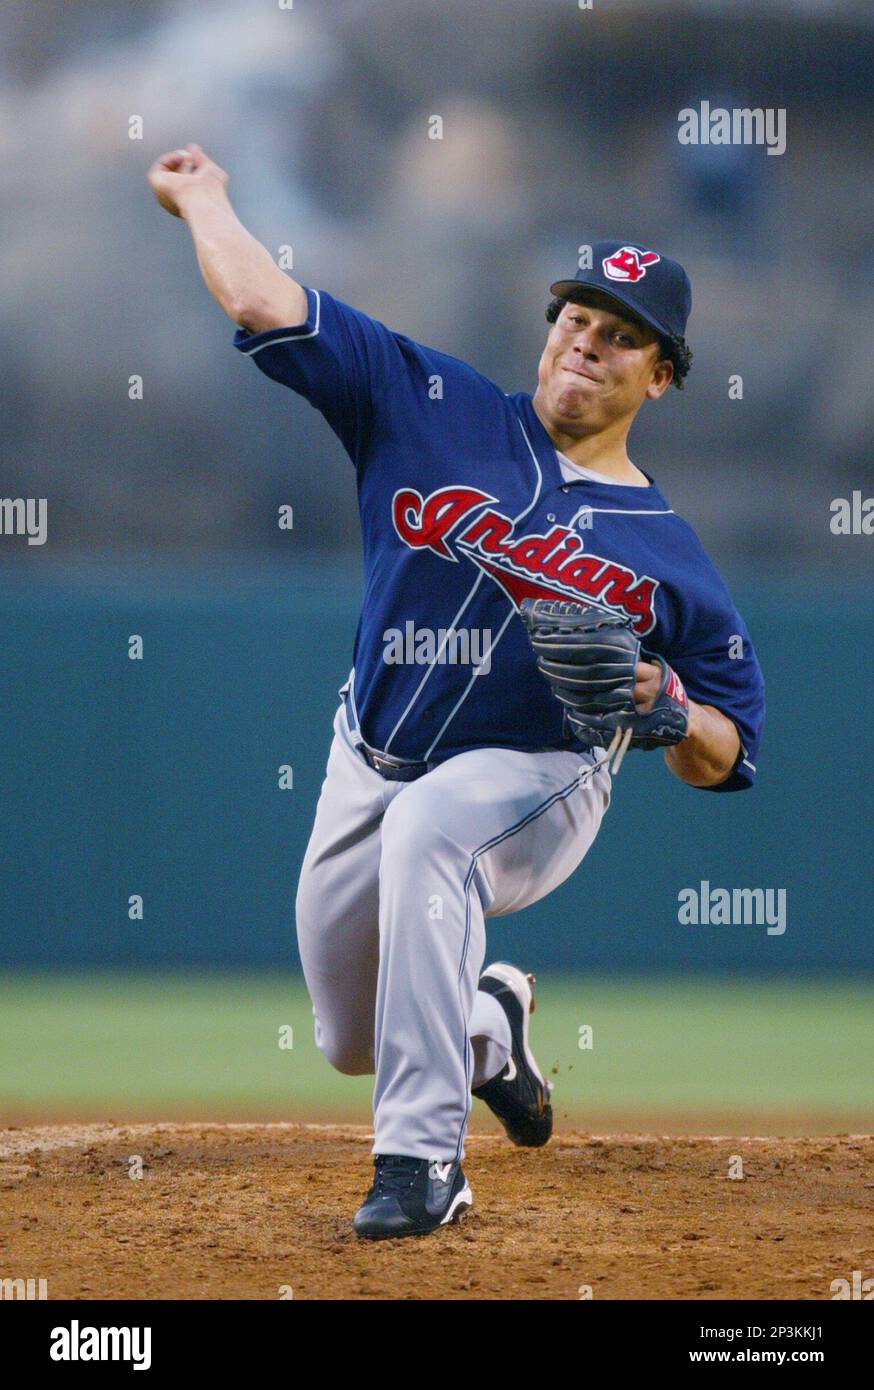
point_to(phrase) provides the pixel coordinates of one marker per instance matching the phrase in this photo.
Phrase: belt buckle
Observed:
(393, 769)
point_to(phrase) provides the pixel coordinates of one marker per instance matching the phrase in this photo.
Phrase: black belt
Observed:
(391, 768)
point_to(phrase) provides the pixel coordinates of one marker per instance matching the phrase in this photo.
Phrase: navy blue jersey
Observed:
(464, 513)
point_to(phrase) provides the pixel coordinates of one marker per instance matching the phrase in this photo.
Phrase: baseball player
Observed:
(533, 607)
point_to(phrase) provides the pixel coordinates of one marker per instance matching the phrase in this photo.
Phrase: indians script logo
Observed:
(629, 264)
(533, 566)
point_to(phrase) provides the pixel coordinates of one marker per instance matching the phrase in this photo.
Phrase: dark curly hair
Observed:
(674, 349)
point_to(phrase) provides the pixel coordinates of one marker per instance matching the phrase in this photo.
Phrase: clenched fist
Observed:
(175, 176)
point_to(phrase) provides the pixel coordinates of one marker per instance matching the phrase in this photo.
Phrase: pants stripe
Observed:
(475, 856)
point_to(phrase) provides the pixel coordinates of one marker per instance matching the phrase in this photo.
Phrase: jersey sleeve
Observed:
(717, 663)
(340, 360)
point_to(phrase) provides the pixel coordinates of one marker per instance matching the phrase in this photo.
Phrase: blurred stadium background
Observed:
(159, 777)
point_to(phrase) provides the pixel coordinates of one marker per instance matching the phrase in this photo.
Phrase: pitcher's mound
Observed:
(264, 1211)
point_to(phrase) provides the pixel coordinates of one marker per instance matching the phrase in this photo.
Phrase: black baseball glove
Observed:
(589, 656)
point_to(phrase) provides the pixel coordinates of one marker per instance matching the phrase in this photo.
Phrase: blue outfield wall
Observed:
(159, 777)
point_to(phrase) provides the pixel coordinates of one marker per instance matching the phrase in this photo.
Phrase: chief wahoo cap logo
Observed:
(629, 264)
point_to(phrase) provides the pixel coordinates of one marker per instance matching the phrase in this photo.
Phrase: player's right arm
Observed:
(239, 272)
(360, 375)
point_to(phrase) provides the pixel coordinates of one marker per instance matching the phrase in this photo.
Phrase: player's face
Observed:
(598, 367)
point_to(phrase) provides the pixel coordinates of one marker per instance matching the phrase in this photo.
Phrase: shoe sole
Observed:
(521, 985)
(459, 1206)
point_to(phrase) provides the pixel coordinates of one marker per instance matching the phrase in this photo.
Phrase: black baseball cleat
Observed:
(410, 1197)
(518, 1095)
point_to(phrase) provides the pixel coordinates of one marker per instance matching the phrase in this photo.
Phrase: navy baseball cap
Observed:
(655, 288)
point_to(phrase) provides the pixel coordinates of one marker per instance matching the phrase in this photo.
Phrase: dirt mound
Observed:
(263, 1211)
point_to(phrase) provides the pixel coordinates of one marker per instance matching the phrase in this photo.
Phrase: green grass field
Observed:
(787, 1057)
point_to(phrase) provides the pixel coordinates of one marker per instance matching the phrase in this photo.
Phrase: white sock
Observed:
(490, 1038)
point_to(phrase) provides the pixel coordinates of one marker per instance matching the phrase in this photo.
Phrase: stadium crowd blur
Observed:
(560, 127)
